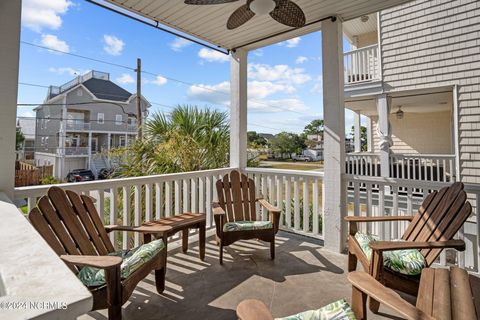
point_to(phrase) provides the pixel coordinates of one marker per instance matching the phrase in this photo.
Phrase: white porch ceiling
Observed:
(208, 22)
(355, 27)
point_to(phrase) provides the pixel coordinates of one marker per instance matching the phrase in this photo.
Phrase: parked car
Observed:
(302, 158)
(105, 173)
(80, 175)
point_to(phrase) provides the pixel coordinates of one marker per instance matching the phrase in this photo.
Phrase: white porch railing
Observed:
(374, 196)
(140, 199)
(298, 193)
(428, 167)
(363, 163)
(361, 65)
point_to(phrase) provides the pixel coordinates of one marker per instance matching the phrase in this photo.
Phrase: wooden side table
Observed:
(183, 222)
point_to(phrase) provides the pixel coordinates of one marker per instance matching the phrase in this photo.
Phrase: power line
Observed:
(156, 75)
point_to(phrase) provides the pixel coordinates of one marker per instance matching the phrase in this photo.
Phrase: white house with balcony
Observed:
(83, 118)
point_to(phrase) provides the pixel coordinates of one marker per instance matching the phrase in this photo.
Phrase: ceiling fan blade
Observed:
(239, 17)
(202, 2)
(288, 13)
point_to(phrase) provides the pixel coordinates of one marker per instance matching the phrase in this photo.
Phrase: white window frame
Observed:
(100, 118)
(118, 119)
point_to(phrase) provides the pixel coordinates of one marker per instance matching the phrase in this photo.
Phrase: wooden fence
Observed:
(27, 174)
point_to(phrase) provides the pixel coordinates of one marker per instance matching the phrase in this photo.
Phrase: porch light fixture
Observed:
(262, 7)
(399, 113)
(364, 18)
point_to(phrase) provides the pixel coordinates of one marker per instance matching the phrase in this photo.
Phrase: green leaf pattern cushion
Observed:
(247, 225)
(132, 260)
(407, 261)
(339, 310)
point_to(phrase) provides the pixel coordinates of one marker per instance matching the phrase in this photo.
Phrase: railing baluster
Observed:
(178, 196)
(126, 215)
(279, 186)
(168, 199)
(264, 194)
(208, 199)
(113, 215)
(395, 212)
(315, 206)
(296, 204)
(193, 197)
(158, 200)
(306, 205)
(148, 202)
(271, 190)
(201, 195)
(369, 206)
(288, 201)
(138, 212)
(186, 195)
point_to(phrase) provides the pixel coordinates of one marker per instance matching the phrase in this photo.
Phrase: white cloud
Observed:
(67, 70)
(262, 89)
(281, 73)
(318, 87)
(179, 43)
(52, 42)
(290, 104)
(301, 59)
(212, 55)
(215, 94)
(159, 81)
(113, 45)
(291, 43)
(125, 78)
(39, 14)
(258, 52)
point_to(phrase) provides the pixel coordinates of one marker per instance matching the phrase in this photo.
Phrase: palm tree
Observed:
(187, 139)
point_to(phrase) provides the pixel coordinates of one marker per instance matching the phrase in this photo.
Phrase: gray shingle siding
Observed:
(427, 44)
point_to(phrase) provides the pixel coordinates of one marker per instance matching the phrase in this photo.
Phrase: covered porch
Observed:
(313, 203)
(409, 135)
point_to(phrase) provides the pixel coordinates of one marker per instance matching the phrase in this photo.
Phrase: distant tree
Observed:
(287, 142)
(19, 139)
(255, 140)
(314, 127)
(363, 136)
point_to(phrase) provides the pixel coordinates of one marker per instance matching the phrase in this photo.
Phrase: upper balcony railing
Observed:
(362, 65)
(424, 167)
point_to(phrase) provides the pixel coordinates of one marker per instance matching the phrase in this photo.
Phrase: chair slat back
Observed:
(439, 218)
(236, 195)
(70, 224)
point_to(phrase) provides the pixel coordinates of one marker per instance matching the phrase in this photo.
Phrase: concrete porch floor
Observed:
(303, 276)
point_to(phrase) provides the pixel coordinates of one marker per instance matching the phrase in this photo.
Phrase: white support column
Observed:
(10, 12)
(334, 203)
(384, 132)
(238, 109)
(370, 147)
(357, 131)
(62, 137)
(109, 142)
(126, 139)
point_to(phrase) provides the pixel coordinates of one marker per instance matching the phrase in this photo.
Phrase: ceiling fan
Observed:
(283, 11)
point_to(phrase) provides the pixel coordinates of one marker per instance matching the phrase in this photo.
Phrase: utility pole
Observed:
(139, 98)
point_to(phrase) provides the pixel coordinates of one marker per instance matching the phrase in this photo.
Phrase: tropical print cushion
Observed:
(407, 261)
(247, 225)
(338, 310)
(132, 260)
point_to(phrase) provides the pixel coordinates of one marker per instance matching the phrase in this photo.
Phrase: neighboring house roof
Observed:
(27, 126)
(266, 136)
(106, 90)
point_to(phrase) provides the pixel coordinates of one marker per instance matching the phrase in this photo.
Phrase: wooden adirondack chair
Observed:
(431, 230)
(72, 227)
(237, 203)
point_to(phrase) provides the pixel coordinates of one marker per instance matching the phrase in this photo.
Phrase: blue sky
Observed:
(284, 79)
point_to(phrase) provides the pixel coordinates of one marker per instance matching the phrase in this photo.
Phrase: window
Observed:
(118, 119)
(122, 141)
(100, 118)
(131, 121)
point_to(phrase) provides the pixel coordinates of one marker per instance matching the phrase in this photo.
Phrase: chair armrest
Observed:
(219, 217)
(378, 219)
(253, 310)
(140, 229)
(365, 283)
(102, 262)
(268, 206)
(399, 245)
